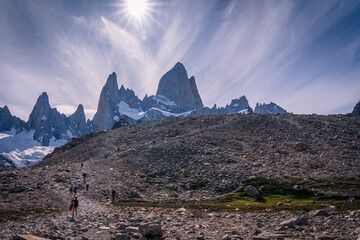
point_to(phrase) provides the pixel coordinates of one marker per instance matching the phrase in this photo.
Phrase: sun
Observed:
(136, 8)
(138, 14)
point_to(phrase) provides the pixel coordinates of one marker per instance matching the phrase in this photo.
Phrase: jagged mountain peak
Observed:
(179, 66)
(43, 99)
(176, 86)
(237, 105)
(79, 110)
(5, 108)
(111, 85)
(7, 121)
(44, 95)
(271, 108)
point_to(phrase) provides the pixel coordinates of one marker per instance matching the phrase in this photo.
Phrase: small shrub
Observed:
(198, 184)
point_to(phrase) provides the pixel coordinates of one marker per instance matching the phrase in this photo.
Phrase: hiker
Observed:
(84, 175)
(70, 190)
(113, 195)
(75, 189)
(87, 185)
(75, 203)
(82, 165)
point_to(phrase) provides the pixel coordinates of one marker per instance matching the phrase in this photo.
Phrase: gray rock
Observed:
(17, 189)
(131, 229)
(300, 146)
(317, 213)
(251, 191)
(121, 226)
(120, 236)
(150, 230)
(301, 220)
(27, 237)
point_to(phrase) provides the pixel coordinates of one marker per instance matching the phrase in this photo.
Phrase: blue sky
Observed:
(303, 55)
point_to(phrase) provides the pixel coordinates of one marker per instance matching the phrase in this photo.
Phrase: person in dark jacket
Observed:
(113, 195)
(75, 189)
(75, 206)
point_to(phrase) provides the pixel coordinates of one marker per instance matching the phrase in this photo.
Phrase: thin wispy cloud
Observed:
(302, 55)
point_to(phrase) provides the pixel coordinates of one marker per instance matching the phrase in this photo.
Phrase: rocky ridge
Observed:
(186, 159)
(48, 123)
(270, 108)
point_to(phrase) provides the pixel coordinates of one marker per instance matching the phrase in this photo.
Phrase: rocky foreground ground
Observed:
(159, 167)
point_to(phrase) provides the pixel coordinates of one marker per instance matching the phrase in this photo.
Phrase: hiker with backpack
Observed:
(75, 190)
(73, 206)
(84, 175)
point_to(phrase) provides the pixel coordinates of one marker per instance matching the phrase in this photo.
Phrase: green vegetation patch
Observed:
(22, 215)
(275, 187)
(275, 195)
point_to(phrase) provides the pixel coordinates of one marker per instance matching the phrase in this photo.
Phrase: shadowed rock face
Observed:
(270, 108)
(356, 111)
(107, 108)
(77, 121)
(7, 121)
(39, 118)
(48, 122)
(176, 86)
(238, 105)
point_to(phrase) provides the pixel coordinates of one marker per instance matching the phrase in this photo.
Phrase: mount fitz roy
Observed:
(177, 96)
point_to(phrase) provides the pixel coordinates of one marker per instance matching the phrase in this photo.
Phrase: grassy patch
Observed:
(293, 195)
(246, 204)
(13, 215)
(275, 187)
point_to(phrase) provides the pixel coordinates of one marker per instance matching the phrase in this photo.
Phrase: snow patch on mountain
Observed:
(168, 114)
(160, 99)
(125, 109)
(23, 150)
(245, 111)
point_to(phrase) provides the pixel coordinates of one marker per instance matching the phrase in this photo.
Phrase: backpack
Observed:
(76, 203)
(71, 206)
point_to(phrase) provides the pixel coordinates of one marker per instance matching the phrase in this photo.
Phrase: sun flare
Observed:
(137, 8)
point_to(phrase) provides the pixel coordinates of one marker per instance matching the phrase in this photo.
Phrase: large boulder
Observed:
(251, 191)
(150, 230)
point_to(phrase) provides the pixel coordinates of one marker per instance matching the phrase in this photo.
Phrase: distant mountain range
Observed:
(25, 143)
